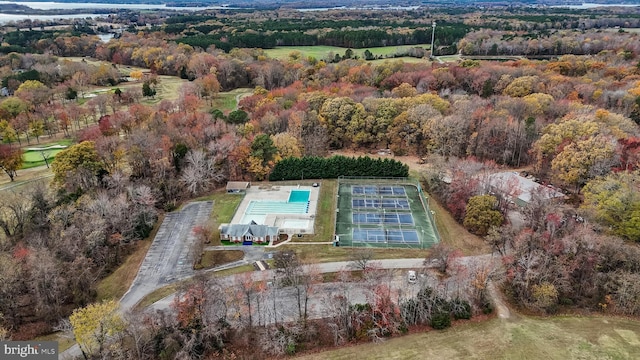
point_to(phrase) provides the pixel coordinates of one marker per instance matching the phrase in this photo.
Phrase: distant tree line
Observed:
(313, 167)
(445, 35)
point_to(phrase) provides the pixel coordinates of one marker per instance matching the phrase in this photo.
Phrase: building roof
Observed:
(511, 183)
(252, 229)
(238, 185)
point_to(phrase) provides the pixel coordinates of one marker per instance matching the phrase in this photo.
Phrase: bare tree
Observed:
(14, 212)
(200, 172)
(360, 259)
(440, 257)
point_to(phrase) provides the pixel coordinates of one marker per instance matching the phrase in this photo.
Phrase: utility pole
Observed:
(433, 33)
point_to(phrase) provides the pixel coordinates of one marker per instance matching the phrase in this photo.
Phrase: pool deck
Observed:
(279, 193)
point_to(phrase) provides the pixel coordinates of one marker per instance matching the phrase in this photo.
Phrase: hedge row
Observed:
(329, 168)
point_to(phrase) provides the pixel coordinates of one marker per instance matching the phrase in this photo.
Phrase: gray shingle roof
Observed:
(252, 229)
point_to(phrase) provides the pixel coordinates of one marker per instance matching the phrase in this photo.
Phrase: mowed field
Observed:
(519, 338)
(321, 51)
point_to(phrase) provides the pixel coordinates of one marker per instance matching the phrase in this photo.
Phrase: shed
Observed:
(238, 187)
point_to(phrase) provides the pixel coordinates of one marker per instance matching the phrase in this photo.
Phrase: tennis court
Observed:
(383, 213)
(380, 203)
(385, 236)
(384, 218)
(377, 190)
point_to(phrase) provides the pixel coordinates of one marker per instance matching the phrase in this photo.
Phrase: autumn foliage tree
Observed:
(10, 160)
(480, 215)
(80, 163)
(614, 202)
(95, 325)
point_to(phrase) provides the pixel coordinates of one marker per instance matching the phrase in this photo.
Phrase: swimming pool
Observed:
(299, 196)
(258, 210)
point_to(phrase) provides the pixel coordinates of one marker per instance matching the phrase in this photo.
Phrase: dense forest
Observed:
(571, 120)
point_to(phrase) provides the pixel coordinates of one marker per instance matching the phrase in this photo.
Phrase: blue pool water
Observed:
(299, 196)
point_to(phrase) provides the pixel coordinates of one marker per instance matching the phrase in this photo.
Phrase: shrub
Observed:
(460, 309)
(440, 320)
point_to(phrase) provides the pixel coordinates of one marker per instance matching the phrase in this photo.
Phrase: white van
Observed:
(411, 276)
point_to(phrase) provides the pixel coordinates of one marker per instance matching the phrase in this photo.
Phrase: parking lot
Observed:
(170, 257)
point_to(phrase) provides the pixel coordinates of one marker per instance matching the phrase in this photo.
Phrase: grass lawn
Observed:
(36, 156)
(321, 52)
(224, 207)
(406, 59)
(517, 338)
(117, 283)
(63, 342)
(33, 158)
(214, 258)
(324, 226)
(156, 295)
(454, 234)
(235, 270)
(449, 58)
(328, 253)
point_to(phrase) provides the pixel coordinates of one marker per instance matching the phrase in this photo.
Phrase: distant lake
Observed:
(55, 6)
(592, 5)
(5, 18)
(363, 7)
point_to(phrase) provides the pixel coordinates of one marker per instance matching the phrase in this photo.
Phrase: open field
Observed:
(518, 338)
(321, 51)
(167, 89)
(406, 59)
(228, 100)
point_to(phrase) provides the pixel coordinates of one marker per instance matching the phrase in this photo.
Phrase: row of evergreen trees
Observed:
(357, 39)
(311, 167)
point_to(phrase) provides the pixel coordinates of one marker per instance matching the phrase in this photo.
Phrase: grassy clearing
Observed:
(116, 285)
(235, 270)
(324, 226)
(454, 234)
(329, 253)
(64, 342)
(228, 101)
(406, 59)
(224, 207)
(156, 295)
(214, 258)
(33, 158)
(520, 338)
(36, 156)
(322, 52)
(449, 58)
